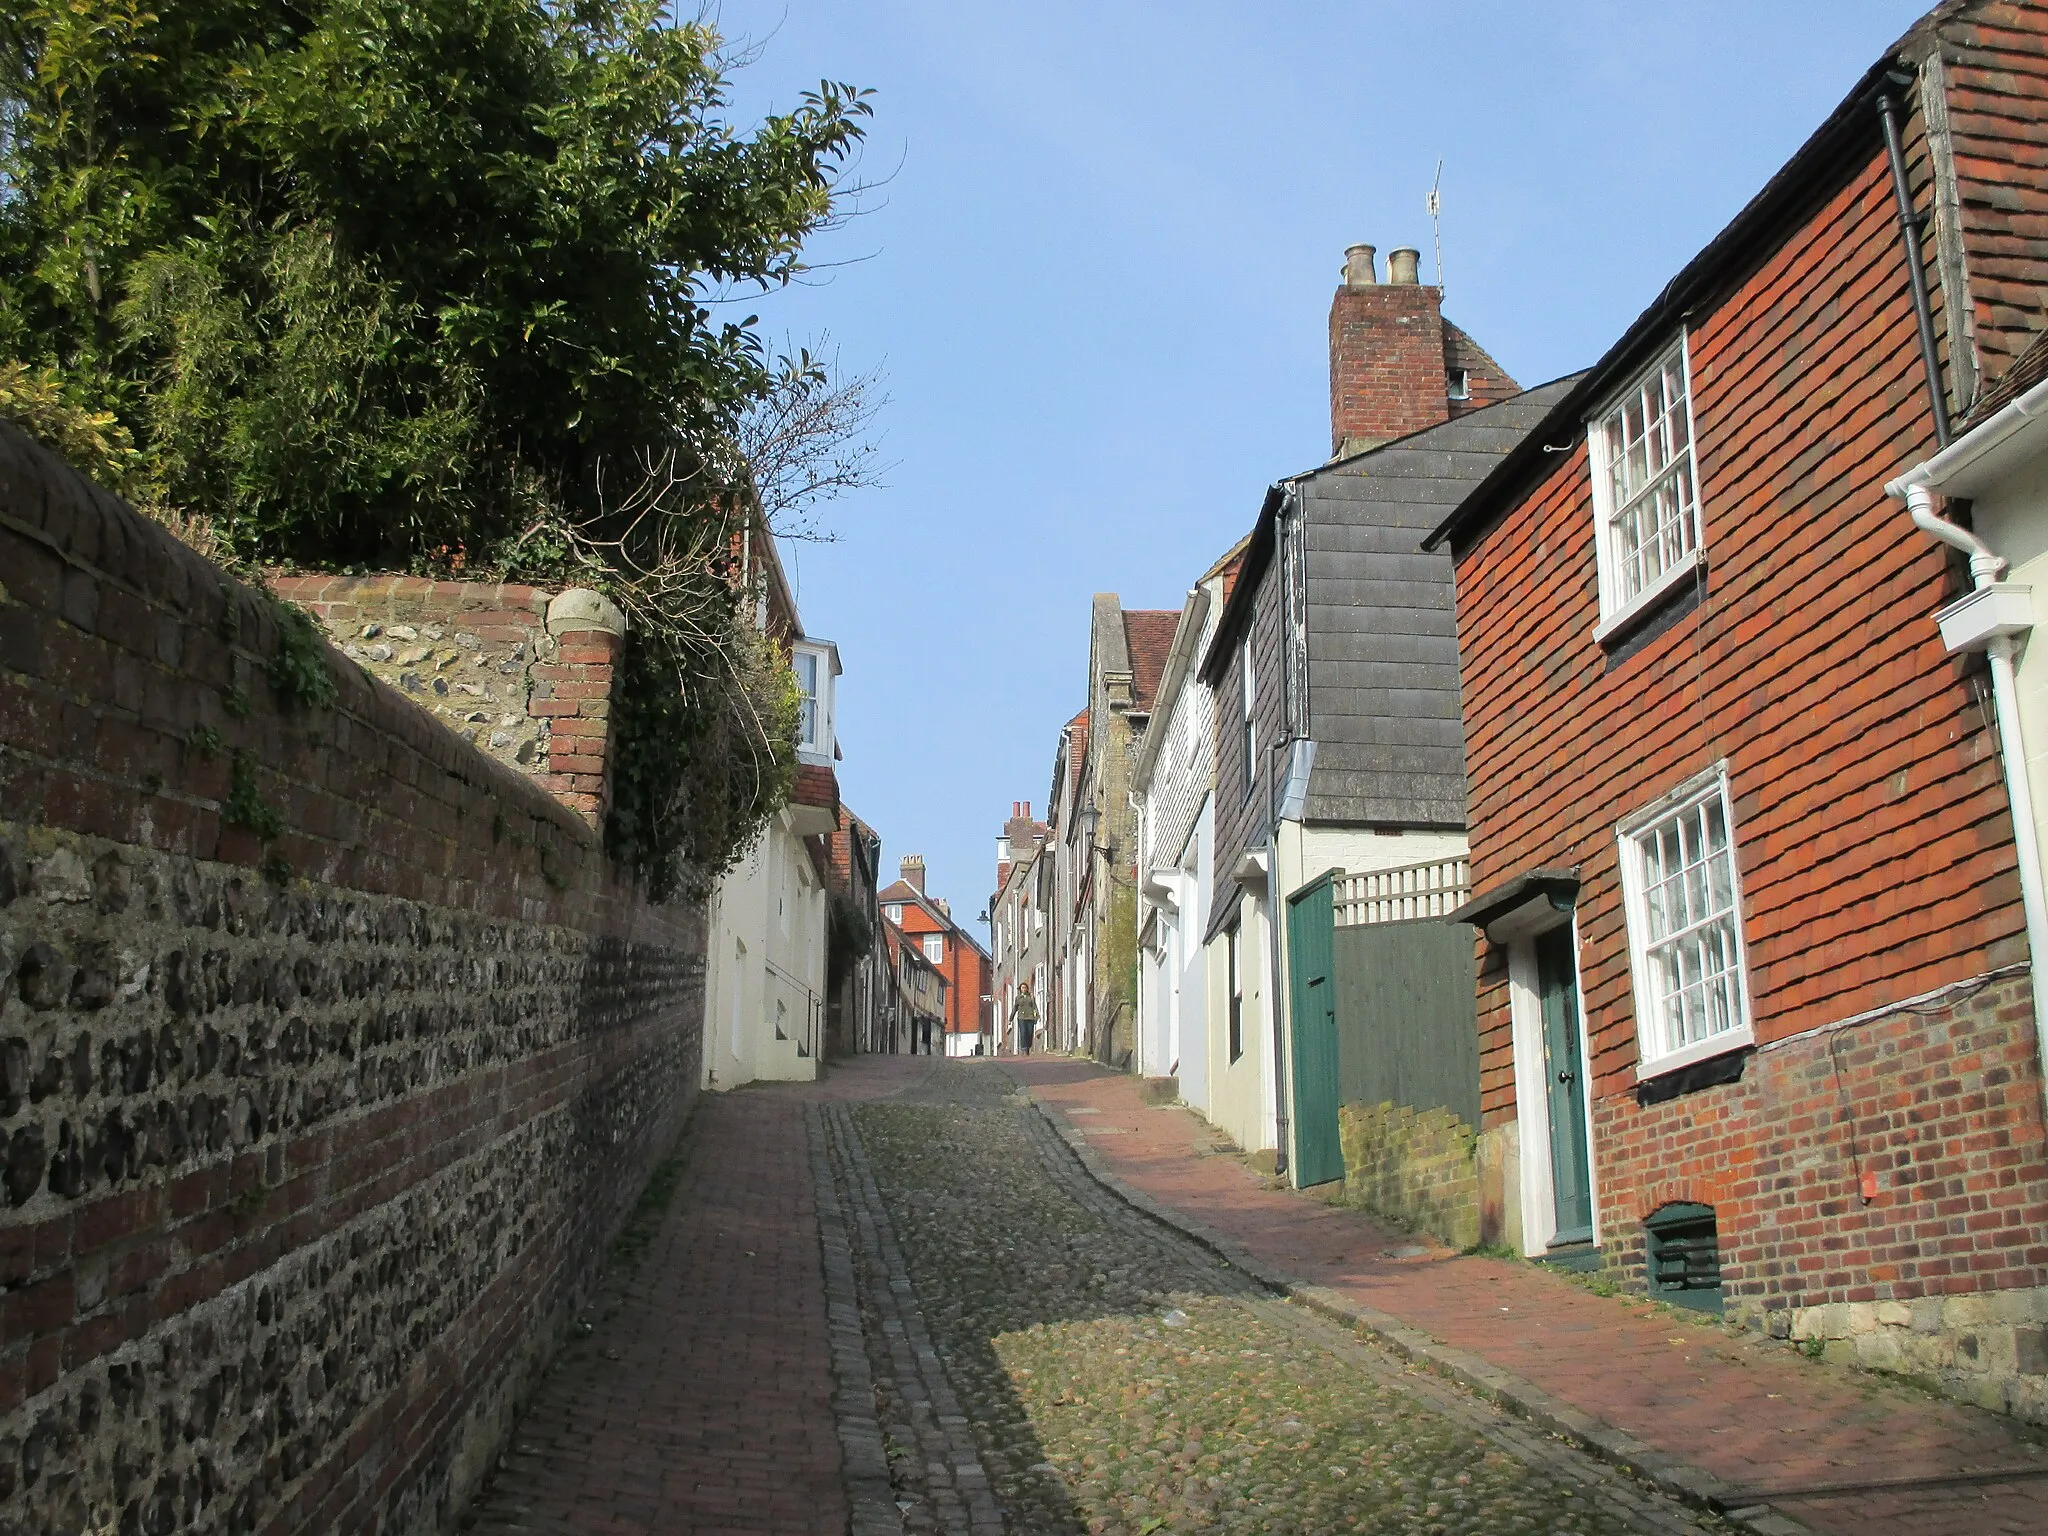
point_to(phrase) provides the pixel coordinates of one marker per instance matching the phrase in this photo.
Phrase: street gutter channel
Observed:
(1682, 1480)
(864, 1465)
(952, 1482)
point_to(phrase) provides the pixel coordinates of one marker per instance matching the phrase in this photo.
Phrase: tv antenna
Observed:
(1434, 202)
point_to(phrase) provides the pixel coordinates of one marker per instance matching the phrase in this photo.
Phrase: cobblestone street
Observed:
(1114, 1377)
(898, 1301)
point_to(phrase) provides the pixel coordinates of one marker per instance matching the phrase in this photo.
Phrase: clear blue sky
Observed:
(1098, 276)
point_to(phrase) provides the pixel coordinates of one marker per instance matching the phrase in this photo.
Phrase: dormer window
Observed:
(816, 665)
(1459, 384)
(1645, 493)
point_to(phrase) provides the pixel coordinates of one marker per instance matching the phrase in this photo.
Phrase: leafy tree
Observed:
(423, 284)
(368, 280)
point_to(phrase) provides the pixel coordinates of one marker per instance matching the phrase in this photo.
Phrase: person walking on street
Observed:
(1026, 1015)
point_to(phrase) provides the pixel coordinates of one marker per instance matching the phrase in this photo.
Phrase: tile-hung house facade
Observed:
(1126, 655)
(1171, 788)
(765, 979)
(1017, 922)
(1334, 666)
(928, 923)
(1754, 1000)
(1068, 952)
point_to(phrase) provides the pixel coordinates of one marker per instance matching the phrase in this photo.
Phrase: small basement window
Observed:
(1685, 1256)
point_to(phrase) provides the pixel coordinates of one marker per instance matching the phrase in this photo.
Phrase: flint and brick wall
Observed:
(312, 1142)
(523, 679)
(1917, 1102)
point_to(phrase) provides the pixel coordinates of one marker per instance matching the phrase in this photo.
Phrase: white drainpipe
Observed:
(1995, 617)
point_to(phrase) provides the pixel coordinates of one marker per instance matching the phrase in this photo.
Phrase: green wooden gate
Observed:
(1312, 1014)
(1407, 1031)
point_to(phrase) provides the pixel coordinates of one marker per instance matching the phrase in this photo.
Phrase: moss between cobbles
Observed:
(1123, 1382)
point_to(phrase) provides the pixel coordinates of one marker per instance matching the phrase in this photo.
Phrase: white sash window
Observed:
(1645, 489)
(1684, 904)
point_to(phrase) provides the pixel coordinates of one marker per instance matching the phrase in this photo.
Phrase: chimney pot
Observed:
(1403, 266)
(912, 870)
(1359, 271)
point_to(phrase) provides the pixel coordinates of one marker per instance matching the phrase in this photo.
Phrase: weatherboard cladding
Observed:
(1241, 817)
(1382, 627)
(1185, 768)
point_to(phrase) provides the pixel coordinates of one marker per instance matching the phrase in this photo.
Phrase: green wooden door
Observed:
(1312, 1013)
(1564, 1068)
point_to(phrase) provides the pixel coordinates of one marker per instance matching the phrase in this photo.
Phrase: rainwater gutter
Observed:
(1995, 617)
(1909, 241)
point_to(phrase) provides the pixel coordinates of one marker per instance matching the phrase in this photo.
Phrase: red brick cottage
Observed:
(1754, 1011)
(957, 955)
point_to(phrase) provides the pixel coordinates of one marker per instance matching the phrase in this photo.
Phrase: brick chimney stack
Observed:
(912, 870)
(1396, 365)
(1021, 832)
(1021, 838)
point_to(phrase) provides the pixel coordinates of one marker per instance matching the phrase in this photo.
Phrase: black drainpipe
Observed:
(1909, 240)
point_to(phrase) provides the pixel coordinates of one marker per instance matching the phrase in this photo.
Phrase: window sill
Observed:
(1700, 1050)
(1645, 603)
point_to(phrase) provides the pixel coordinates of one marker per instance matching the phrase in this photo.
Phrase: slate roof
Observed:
(1383, 699)
(1148, 632)
(1382, 623)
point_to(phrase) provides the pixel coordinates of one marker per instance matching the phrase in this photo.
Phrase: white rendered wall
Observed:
(767, 947)
(1239, 1093)
(2013, 520)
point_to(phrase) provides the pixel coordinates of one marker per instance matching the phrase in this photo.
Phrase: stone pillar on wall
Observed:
(574, 694)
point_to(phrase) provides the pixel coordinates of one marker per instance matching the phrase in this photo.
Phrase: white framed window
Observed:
(893, 911)
(815, 664)
(935, 947)
(1683, 895)
(1646, 505)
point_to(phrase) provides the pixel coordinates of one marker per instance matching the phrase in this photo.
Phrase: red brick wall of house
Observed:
(1874, 842)
(965, 967)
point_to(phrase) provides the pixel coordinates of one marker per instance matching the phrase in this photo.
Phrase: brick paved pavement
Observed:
(1748, 1412)
(702, 1403)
